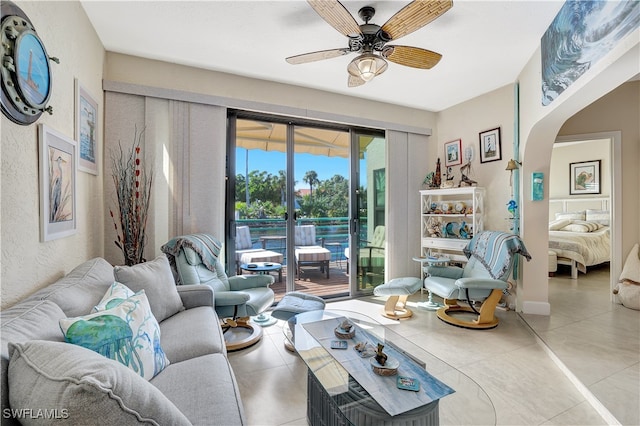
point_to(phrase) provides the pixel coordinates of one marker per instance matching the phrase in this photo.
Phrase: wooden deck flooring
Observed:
(316, 283)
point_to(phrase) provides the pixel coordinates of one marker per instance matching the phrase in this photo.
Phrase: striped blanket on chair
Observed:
(495, 251)
(205, 245)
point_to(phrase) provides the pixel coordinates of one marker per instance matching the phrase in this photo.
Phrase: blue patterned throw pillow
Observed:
(127, 332)
(116, 294)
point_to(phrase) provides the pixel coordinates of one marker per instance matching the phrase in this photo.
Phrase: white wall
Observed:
(28, 264)
(465, 121)
(566, 153)
(618, 110)
(539, 127)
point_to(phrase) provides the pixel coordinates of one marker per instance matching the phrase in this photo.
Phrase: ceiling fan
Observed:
(370, 40)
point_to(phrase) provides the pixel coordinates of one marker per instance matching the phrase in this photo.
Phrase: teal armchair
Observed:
(483, 279)
(237, 296)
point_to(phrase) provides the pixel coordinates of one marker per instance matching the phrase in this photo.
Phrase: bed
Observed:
(580, 232)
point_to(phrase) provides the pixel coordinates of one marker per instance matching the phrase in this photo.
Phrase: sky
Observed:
(272, 162)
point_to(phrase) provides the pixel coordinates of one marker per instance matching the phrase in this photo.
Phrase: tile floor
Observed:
(597, 341)
(526, 385)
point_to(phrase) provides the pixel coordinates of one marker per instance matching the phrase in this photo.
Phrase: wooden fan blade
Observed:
(411, 56)
(317, 56)
(355, 81)
(337, 16)
(414, 16)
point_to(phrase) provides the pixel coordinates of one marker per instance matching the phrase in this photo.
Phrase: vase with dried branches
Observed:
(133, 191)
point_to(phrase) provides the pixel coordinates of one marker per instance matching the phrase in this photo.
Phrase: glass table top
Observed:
(468, 405)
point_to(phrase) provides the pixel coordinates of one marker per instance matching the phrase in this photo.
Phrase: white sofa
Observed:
(46, 380)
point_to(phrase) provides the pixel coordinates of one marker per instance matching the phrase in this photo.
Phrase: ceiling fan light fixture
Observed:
(367, 66)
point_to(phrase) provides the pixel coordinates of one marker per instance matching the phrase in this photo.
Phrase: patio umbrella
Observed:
(311, 140)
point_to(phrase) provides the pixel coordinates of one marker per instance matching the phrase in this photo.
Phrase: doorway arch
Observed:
(615, 156)
(539, 128)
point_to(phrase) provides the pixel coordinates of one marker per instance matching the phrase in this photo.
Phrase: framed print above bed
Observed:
(584, 177)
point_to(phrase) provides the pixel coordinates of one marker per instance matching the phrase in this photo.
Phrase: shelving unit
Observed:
(449, 219)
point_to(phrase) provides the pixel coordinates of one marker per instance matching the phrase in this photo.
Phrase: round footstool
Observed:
(294, 303)
(398, 290)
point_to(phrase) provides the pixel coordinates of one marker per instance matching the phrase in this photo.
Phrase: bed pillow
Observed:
(156, 279)
(558, 224)
(581, 215)
(127, 333)
(83, 387)
(581, 226)
(602, 217)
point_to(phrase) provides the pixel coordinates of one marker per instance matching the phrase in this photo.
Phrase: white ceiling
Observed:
(485, 44)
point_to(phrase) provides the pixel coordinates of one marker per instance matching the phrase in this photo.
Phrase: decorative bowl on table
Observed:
(345, 330)
(390, 367)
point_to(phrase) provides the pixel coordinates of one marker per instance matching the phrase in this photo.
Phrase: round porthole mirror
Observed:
(25, 70)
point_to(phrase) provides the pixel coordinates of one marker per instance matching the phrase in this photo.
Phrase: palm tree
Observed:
(282, 184)
(311, 177)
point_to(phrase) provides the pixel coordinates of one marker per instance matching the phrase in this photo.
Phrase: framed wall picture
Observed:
(584, 177)
(490, 145)
(453, 153)
(58, 163)
(86, 130)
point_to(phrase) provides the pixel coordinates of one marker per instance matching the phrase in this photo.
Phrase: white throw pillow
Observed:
(558, 224)
(127, 333)
(581, 226)
(603, 217)
(580, 215)
(116, 294)
(631, 269)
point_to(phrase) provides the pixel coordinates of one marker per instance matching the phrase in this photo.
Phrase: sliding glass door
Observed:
(368, 238)
(293, 192)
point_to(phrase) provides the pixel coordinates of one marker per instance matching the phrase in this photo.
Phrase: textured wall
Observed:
(28, 264)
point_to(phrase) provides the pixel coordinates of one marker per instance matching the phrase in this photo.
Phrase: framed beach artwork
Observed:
(86, 132)
(453, 153)
(490, 145)
(58, 163)
(584, 177)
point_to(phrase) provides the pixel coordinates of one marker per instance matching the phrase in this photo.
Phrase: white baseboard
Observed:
(536, 308)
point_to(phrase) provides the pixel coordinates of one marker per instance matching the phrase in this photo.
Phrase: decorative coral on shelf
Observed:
(133, 190)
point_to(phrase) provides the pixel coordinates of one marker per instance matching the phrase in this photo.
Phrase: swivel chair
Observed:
(483, 279)
(194, 259)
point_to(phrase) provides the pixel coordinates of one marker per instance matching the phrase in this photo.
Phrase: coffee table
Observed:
(335, 397)
(263, 268)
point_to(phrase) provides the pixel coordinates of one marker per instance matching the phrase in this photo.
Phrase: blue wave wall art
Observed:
(582, 33)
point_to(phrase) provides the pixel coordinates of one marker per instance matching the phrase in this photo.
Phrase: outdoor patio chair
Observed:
(371, 255)
(244, 245)
(309, 251)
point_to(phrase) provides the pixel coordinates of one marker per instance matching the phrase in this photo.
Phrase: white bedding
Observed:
(585, 248)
